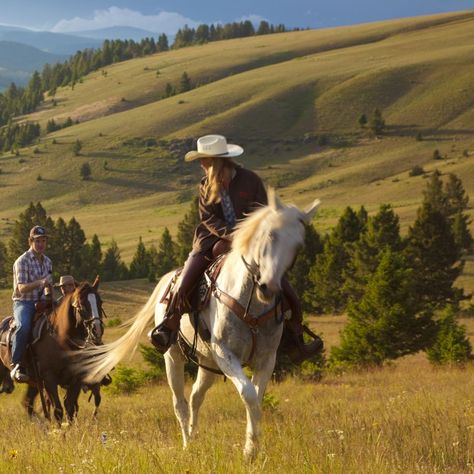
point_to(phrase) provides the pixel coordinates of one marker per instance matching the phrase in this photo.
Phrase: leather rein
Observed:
(243, 312)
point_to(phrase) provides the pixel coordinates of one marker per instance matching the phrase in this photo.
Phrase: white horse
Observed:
(264, 246)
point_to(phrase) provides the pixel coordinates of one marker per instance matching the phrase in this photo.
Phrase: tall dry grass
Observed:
(408, 417)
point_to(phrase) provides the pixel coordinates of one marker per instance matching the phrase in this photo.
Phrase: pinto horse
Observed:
(242, 317)
(73, 325)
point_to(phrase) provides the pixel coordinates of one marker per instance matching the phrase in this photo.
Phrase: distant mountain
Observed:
(55, 43)
(18, 61)
(117, 32)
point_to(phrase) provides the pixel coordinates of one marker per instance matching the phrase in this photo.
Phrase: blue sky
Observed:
(168, 15)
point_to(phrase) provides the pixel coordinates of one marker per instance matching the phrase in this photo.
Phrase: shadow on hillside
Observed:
(125, 183)
(434, 134)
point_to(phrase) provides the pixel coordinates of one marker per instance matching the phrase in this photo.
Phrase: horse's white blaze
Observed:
(95, 314)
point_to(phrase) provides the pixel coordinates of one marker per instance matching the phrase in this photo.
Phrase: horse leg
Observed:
(7, 383)
(29, 400)
(70, 400)
(232, 368)
(52, 390)
(262, 374)
(175, 373)
(203, 382)
(95, 389)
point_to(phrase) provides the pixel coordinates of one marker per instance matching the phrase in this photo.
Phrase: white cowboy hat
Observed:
(211, 146)
(65, 280)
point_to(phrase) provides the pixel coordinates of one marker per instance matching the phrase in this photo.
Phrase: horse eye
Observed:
(274, 236)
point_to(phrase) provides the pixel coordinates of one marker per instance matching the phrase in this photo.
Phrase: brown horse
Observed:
(73, 325)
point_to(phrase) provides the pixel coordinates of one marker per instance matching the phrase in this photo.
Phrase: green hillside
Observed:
(276, 95)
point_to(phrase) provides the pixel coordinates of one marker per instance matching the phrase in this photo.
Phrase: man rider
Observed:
(32, 273)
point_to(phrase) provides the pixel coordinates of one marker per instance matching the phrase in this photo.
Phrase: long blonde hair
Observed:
(218, 171)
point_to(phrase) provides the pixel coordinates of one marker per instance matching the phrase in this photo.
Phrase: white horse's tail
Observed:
(97, 361)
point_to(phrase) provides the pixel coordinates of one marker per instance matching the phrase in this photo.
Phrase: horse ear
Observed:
(273, 200)
(310, 211)
(95, 285)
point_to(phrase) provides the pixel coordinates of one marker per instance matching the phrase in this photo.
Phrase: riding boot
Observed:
(296, 328)
(18, 374)
(166, 332)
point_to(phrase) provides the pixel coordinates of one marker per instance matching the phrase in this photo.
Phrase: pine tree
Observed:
(451, 344)
(351, 224)
(86, 171)
(169, 91)
(434, 195)
(139, 268)
(363, 121)
(162, 43)
(166, 254)
(59, 257)
(377, 123)
(386, 323)
(327, 278)
(328, 274)
(152, 256)
(457, 204)
(186, 229)
(383, 231)
(433, 254)
(91, 257)
(263, 28)
(74, 247)
(112, 267)
(77, 147)
(306, 258)
(185, 83)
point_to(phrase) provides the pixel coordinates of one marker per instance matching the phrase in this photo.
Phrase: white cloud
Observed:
(255, 19)
(163, 22)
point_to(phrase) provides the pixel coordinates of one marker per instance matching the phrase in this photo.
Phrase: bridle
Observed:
(81, 314)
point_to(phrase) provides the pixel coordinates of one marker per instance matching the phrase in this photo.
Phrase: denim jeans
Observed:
(23, 312)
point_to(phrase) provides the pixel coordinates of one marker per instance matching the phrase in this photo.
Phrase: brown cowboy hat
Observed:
(211, 146)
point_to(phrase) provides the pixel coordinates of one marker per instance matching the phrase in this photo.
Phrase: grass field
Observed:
(406, 417)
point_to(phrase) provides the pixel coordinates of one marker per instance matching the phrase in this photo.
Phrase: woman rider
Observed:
(226, 194)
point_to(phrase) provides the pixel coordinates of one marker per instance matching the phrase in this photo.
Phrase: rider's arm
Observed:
(29, 287)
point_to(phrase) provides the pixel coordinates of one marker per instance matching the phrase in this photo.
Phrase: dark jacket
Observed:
(246, 191)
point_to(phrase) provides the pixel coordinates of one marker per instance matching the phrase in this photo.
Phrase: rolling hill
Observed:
(292, 100)
(18, 61)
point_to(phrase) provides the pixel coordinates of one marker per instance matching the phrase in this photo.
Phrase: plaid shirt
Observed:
(27, 269)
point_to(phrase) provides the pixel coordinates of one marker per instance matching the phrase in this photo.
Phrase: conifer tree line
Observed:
(207, 33)
(21, 100)
(16, 100)
(398, 291)
(15, 135)
(73, 254)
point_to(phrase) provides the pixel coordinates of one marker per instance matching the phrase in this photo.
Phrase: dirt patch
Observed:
(91, 111)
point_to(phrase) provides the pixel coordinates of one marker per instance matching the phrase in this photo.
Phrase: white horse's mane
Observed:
(245, 232)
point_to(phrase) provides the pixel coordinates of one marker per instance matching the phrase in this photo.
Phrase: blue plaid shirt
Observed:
(27, 269)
